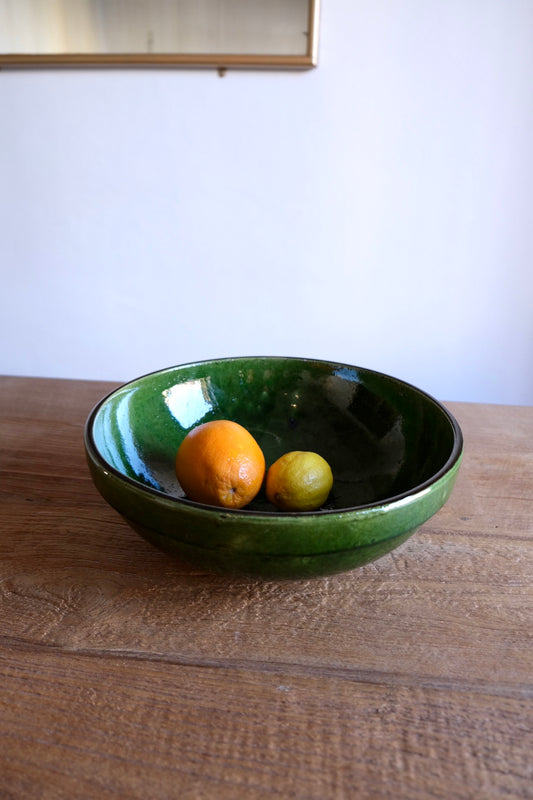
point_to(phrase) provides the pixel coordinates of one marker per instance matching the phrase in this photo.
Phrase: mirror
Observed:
(218, 33)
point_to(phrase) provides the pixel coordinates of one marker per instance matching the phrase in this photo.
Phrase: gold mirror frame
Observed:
(38, 52)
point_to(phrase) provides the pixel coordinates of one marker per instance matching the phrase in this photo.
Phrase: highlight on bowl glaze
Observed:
(394, 451)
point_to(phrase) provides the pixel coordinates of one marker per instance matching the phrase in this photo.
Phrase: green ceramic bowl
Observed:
(394, 452)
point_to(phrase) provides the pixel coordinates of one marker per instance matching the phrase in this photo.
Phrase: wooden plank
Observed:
(80, 727)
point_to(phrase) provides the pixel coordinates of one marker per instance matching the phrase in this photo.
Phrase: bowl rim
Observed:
(452, 460)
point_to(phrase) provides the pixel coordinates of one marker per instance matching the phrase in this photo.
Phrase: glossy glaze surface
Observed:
(394, 452)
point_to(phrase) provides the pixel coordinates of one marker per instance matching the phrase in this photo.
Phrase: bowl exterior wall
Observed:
(270, 567)
(276, 545)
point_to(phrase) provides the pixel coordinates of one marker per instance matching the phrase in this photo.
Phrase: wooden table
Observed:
(125, 674)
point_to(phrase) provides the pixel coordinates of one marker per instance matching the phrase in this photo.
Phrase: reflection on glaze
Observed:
(190, 401)
(122, 415)
(105, 440)
(347, 374)
(342, 392)
(112, 433)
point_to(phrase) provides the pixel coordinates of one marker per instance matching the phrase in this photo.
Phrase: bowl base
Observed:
(259, 565)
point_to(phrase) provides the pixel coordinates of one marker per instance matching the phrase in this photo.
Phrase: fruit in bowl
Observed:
(394, 453)
(299, 481)
(221, 464)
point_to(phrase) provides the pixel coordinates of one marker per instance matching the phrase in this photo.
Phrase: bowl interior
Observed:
(383, 438)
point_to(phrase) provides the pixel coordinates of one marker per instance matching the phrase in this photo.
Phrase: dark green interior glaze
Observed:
(390, 446)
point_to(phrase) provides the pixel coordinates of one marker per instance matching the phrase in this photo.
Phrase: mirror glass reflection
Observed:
(146, 27)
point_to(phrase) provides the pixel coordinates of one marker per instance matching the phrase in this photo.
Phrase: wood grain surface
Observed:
(125, 674)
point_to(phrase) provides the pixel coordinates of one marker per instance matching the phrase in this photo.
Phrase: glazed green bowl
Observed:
(394, 452)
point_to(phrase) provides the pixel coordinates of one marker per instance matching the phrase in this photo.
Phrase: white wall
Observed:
(376, 210)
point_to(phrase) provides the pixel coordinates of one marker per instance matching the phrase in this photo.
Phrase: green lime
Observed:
(299, 481)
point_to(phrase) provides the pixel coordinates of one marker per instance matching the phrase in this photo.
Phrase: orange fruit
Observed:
(220, 463)
(299, 481)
